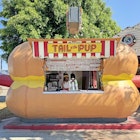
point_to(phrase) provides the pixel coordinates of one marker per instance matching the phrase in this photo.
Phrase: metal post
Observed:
(0, 63)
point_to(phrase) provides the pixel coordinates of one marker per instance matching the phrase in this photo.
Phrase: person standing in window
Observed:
(73, 84)
(65, 84)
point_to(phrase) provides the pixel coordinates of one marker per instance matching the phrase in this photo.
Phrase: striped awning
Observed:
(74, 48)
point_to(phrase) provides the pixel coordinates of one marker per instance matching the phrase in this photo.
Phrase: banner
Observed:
(75, 48)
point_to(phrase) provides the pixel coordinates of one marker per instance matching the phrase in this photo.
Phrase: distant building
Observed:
(131, 36)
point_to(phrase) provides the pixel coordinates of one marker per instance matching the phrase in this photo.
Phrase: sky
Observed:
(126, 13)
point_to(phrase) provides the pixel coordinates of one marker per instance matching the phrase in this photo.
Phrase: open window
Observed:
(87, 73)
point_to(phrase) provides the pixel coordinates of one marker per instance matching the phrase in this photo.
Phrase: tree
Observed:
(47, 19)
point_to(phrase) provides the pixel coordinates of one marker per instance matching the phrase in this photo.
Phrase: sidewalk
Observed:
(81, 134)
(8, 134)
(3, 90)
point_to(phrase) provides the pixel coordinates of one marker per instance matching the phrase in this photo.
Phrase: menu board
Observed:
(73, 64)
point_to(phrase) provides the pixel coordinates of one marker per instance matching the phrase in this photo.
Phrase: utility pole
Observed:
(0, 64)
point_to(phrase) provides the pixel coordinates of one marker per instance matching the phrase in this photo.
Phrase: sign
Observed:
(74, 48)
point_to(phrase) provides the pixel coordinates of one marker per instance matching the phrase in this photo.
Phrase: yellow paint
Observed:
(75, 48)
(122, 76)
(122, 83)
(30, 84)
(28, 78)
(30, 81)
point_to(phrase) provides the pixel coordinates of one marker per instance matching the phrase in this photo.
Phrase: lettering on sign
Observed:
(74, 48)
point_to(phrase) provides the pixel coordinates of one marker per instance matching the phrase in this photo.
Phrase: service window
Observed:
(60, 72)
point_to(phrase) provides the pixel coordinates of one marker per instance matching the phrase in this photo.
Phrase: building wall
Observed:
(135, 31)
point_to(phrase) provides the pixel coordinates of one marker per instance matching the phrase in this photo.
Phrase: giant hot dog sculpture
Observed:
(25, 97)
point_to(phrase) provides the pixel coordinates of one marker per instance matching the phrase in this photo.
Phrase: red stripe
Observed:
(112, 48)
(55, 54)
(55, 42)
(65, 54)
(64, 41)
(45, 49)
(92, 54)
(103, 48)
(92, 41)
(84, 41)
(123, 126)
(36, 49)
(74, 54)
(84, 54)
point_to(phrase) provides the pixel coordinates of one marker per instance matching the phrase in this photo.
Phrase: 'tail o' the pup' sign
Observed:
(73, 48)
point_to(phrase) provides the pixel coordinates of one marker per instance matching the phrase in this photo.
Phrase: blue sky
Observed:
(126, 13)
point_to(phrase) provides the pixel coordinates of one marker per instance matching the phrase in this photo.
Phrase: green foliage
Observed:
(24, 19)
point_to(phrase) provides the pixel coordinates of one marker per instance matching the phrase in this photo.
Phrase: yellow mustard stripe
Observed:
(121, 83)
(28, 78)
(122, 76)
(30, 81)
(30, 84)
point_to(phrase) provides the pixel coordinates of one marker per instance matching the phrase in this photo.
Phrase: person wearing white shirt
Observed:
(73, 84)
